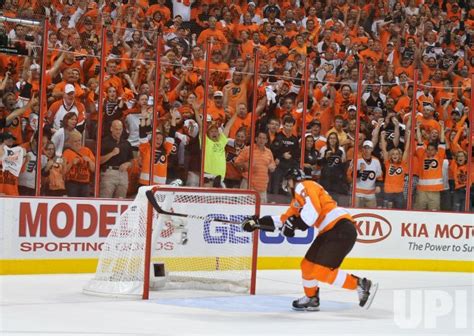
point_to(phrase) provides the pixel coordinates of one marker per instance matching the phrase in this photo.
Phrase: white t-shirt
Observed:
(12, 159)
(133, 126)
(28, 177)
(179, 8)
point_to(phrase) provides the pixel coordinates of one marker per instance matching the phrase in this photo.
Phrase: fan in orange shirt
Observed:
(427, 121)
(344, 98)
(161, 7)
(218, 70)
(243, 120)
(111, 78)
(247, 25)
(458, 169)
(396, 167)
(406, 66)
(236, 91)
(324, 113)
(80, 165)
(213, 35)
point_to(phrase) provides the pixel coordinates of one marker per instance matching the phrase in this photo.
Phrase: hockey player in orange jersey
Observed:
(312, 206)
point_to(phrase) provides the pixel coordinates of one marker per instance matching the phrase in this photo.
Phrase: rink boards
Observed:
(66, 235)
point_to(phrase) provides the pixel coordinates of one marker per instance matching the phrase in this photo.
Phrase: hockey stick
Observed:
(156, 206)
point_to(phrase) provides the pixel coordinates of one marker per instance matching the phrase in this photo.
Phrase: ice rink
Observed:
(407, 303)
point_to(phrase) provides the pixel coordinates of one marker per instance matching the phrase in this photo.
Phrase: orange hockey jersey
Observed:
(314, 206)
(160, 166)
(431, 172)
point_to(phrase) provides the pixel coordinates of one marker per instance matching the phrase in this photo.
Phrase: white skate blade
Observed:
(373, 291)
(308, 309)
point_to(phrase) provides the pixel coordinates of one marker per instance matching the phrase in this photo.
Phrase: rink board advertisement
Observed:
(58, 235)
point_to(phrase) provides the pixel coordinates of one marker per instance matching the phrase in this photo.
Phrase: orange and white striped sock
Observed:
(335, 277)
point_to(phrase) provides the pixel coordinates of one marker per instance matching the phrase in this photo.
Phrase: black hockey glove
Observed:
(250, 224)
(291, 224)
(253, 223)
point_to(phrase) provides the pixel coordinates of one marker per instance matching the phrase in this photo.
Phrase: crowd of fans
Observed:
(330, 73)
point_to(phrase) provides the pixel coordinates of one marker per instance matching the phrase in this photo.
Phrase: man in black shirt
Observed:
(115, 160)
(286, 151)
(374, 98)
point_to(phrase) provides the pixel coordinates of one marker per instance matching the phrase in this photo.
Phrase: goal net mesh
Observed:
(197, 252)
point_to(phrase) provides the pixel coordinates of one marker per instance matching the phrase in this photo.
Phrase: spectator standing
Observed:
(60, 108)
(80, 165)
(396, 168)
(332, 159)
(53, 172)
(9, 181)
(13, 116)
(263, 165)
(115, 160)
(113, 109)
(215, 158)
(233, 176)
(60, 137)
(310, 156)
(285, 149)
(458, 171)
(133, 119)
(369, 172)
(338, 129)
(430, 183)
(163, 147)
(27, 178)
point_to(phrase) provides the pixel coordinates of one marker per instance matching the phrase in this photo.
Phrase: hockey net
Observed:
(146, 249)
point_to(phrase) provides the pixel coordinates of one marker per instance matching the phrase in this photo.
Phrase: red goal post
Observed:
(214, 256)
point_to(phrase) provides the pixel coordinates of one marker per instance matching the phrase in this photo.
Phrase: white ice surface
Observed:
(55, 305)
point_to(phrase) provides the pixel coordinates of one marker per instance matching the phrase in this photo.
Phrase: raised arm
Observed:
(18, 112)
(442, 136)
(406, 152)
(383, 146)
(419, 138)
(53, 72)
(376, 131)
(229, 124)
(396, 133)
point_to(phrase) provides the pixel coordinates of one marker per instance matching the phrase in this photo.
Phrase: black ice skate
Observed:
(366, 290)
(307, 303)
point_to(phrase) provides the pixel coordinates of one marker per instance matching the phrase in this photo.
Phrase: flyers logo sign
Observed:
(371, 228)
(174, 149)
(334, 161)
(462, 177)
(430, 164)
(395, 171)
(368, 175)
(160, 157)
(235, 91)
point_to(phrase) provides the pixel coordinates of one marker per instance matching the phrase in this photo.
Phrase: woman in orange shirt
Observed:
(396, 168)
(458, 169)
(53, 172)
(80, 165)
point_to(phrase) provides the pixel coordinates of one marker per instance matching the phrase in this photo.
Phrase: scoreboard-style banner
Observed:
(66, 235)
